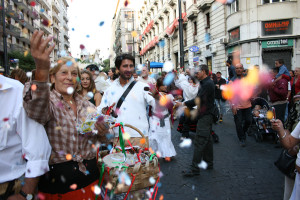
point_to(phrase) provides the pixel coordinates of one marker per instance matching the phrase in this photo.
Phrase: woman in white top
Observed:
(289, 141)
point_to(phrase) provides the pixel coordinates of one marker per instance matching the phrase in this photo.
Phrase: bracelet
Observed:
(284, 135)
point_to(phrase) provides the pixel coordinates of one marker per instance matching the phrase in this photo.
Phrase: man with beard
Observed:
(133, 109)
(145, 77)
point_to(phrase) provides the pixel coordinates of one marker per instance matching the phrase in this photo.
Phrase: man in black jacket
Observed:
(203, 144)
(220, 101)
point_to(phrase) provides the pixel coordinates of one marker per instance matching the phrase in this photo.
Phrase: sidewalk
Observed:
(239, 173)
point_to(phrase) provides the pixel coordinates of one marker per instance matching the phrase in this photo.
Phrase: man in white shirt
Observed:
(133, 108)
(24, 145)
(145, 77)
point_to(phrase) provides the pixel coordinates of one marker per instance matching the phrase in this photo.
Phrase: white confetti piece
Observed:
(185, 143)
(70, 90)
(202, 165)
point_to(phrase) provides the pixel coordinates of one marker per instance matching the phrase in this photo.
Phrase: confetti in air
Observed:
(90, 94)
(161, 43)
(32, 3)
(69, 63)
(26, 53)
(73, 29)
(82, 47)
(88, 36)
(45, 22)
(269, 115)
(68, 156)
(73, 186)
(185, 143)
(42, 10)
(134, 34)
(33, 87)
(29, 74)
(126, 3)
(101, 23)
(70, 90)
(152, 180)
(202, 165)
(168, 66)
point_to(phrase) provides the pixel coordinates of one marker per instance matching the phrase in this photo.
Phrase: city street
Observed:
(239, 173)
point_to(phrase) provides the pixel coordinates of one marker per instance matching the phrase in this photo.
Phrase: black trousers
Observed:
(242, 120)
(203, 144)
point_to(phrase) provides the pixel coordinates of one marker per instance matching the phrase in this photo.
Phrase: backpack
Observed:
(215, 113)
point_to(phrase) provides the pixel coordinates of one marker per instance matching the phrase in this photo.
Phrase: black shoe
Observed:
(191, 173)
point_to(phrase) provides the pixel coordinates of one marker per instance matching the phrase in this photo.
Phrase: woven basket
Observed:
(139, 173)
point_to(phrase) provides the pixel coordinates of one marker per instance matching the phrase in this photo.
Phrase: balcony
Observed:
(55, 16)
(16, 47)
(55, 26)
(171, 2)
(45, 3)
(55, 6)
(66, 27)
(130, 41)
(46, 29)
(66, 35)
(25, 38)
(12, 30)
(29, 26)
(67, 45)
(65, 17)
(45, 15)
(192, 12)
(205, 4)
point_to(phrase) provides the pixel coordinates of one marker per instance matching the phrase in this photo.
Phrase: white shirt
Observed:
(133, 109)
(148, 81)
(296, 134)
(101, 84)
(189, 90)
(20, 136)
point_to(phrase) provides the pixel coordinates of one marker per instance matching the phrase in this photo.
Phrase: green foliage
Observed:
(25, 62)
(106, 65)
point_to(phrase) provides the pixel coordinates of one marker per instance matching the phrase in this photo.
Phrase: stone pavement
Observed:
(239, 173)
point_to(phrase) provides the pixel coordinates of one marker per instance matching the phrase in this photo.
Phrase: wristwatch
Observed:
(27, 196)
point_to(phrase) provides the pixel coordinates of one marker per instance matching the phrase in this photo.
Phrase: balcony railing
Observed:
(46, 29)
(45, 3)
(55, 16)
(45, 15)
(55, 6)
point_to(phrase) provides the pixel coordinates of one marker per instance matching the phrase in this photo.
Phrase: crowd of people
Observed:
(42, 112)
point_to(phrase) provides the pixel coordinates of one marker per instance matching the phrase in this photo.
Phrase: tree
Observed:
(26, 62)
(106, 65)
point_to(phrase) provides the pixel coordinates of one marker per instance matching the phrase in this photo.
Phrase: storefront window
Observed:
(272, 1)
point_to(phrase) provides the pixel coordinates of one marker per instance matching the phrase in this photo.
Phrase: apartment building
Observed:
(21, 19)
(125, 38)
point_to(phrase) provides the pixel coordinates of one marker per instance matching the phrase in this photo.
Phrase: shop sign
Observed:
(196, 59)
(194, 49)
(279, 27)
(277, 43)
(234, 35)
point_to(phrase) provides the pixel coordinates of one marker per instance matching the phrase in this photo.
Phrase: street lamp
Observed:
(4, 41)
(180, 20)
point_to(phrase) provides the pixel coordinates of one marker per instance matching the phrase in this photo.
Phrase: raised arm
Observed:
(36, 94)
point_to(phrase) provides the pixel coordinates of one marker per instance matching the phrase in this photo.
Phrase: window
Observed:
(233, 7)
(272, 1)
(195, 28)
(207, 21)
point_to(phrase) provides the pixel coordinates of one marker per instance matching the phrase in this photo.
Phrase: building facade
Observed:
(203, 29)
(125, 36)
(22, 18)
(263, 31)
